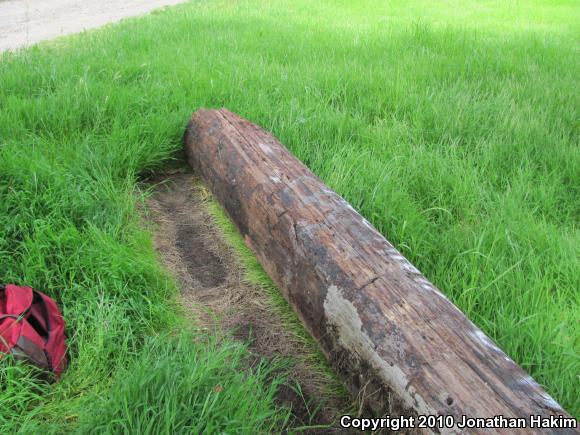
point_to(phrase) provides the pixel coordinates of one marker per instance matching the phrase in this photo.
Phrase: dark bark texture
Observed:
(397, 342)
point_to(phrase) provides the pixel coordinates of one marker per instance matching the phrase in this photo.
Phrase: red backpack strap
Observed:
(30, 347)
(55, 344)
(18, 300)
(15, 303)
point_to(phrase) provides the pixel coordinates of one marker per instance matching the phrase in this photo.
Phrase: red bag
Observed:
(32, 328)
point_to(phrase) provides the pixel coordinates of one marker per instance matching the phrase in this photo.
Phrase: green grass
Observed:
(451, 125)
(204, 388)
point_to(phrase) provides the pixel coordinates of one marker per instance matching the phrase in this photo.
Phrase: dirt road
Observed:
(25, 22)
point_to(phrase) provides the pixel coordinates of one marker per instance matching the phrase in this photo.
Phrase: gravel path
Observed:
(25, 22)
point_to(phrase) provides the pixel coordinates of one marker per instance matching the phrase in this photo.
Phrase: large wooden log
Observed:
(396, 340)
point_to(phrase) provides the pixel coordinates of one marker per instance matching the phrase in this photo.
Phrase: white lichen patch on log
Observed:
(342, 315)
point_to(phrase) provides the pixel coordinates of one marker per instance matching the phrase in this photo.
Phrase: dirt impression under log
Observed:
(395, 339)
(217, 296)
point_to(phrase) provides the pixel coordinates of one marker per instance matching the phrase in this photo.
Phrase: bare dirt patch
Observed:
(215, 293)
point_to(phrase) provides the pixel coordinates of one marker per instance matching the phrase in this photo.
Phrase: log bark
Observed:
(399, 344)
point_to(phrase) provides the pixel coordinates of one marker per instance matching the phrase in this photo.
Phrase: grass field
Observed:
(452, 126)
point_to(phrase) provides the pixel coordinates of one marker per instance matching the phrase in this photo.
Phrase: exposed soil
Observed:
(25, 22)
(215, 293)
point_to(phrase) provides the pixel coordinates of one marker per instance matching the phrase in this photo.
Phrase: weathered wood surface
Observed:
(396, 340)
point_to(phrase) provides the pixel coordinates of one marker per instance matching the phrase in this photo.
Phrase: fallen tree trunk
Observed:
(400, 345)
